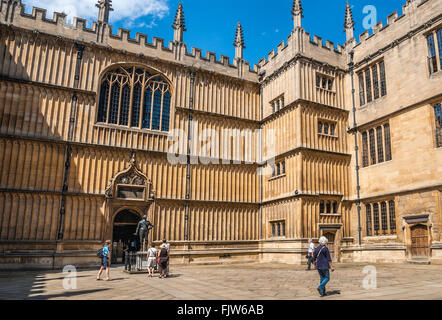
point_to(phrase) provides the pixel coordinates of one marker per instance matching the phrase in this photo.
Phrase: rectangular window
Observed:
(374, 70)
(318, 81)
(361, 89)
(364, 149)
(387, 139)
(330, 84)
(368, 85)
(380, 144)
(432, 59)
(438, 117)
(372, 147)
(383, 81)
(368, 219)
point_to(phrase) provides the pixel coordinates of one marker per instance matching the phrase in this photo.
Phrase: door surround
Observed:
(411, 222)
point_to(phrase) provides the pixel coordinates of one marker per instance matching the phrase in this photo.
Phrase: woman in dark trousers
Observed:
(323, 263)
(163, 259)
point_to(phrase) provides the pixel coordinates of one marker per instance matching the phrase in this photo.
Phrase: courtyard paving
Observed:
(229, 282)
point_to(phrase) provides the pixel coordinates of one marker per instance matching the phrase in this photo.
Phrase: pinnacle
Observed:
(179, 22)
(297, 8)
(349, 22)
(239, 36)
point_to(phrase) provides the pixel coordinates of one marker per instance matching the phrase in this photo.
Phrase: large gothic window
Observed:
(135, 97)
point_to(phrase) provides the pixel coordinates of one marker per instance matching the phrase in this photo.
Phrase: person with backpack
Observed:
(163, 259)
(323, 263)
(151, 260)
(104, 253)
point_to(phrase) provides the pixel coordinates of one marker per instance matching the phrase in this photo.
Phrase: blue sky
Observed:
(211, 24)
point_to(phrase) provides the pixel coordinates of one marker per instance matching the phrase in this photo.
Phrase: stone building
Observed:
(230, 162)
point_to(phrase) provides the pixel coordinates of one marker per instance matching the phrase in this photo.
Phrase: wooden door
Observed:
(331, 244)
(419, 241)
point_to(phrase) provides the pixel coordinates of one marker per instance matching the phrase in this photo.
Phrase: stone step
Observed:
(419, 261)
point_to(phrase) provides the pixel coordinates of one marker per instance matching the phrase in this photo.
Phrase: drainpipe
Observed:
(355, 133)
(189, 155)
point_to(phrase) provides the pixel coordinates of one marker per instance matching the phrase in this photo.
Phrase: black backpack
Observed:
(100, 253)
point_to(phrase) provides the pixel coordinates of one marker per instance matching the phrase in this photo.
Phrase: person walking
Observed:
(151, 260)
(105, 261)
(323, 263)
(167, 246)
(311, 249)
(163, 259)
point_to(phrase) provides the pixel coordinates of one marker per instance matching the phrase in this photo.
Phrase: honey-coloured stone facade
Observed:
(60, 192)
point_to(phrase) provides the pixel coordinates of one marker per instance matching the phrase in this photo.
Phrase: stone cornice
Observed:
(293, 61)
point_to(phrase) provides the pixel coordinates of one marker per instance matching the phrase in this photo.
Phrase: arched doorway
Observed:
(124, 227)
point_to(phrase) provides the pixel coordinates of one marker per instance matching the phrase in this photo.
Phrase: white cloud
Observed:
(124, 10)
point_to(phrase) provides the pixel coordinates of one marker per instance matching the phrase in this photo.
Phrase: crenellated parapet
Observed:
(300, 45)
(101, 34)
(398, 28)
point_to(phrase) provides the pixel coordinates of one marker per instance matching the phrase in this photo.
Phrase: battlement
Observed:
(398, 24)
(300, 42)
(102, 35)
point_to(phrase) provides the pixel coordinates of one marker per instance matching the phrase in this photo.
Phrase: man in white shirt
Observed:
(311, 249)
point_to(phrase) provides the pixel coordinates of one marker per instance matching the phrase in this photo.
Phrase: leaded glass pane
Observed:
(368, 85)
(368, 219)
(361, 89)
(387, 138)
(438, 117)
(432, 53)
(439, 45)
(364, 149)
(156, 113)
(392, 215)
(372, 147)
(104, 99)
(376, 216)
(383, 81)
(166, 112)
(380, 144)
(374, 70)
(115, 98)
(136, 106)
(147, 109)
(124, 110)
(384, 216)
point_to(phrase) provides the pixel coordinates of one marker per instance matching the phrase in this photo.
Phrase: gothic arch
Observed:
(134, 95)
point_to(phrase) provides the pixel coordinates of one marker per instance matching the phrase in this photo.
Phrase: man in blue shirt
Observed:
(105, 261)
(323, 264)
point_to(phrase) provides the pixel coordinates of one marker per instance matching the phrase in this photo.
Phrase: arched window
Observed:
(134, 97)
(322, 207)
(329, 207)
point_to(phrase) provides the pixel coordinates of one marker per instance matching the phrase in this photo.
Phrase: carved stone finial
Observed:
(179, 24)
(105, 7)
(349, 23)
(239, 42)
(297, 12)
